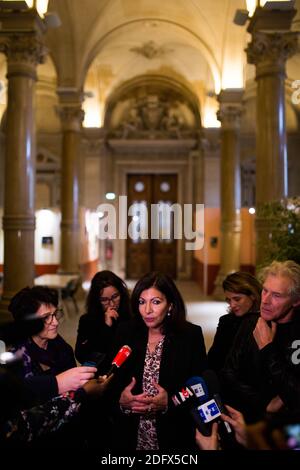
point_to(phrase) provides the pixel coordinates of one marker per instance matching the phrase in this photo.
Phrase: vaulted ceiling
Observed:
(103, 44)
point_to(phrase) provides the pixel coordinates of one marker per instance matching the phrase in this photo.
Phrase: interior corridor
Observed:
(201, 311)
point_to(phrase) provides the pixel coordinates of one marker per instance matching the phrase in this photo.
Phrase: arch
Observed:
(152, 107)
(204, 49)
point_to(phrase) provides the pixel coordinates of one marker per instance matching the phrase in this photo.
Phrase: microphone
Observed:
(205, 409)
(214, 389)
(183, 397)
(119, 359)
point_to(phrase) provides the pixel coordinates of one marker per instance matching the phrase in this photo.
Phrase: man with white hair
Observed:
(262, 371)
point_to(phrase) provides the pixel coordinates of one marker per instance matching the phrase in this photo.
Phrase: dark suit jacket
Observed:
(183, 356)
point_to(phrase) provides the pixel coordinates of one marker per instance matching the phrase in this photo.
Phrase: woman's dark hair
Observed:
(28, 300)
(244, 283)
(166, 286)
(101, 280)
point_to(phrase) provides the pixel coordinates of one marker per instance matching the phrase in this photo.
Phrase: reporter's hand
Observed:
(236, 419)
(97, 387)
(74, 378)
(275, 405)
(208, 442)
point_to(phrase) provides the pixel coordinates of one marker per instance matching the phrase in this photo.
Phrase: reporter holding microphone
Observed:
(49, 366)
(166, 351)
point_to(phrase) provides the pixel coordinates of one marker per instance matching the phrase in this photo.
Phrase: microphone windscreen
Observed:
(122, 355)
(199, 388)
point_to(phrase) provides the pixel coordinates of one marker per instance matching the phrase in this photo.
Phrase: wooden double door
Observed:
(151, 245)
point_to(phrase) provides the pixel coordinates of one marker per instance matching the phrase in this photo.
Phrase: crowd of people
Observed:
(148, 404)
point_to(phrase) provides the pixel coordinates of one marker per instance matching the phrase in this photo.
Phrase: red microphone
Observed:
(121, 357)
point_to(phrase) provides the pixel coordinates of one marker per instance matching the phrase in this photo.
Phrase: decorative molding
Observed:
(151, 50)
(135, 146)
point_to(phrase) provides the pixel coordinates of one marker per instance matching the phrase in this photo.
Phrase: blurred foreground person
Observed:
(262, 435)
(19, 426)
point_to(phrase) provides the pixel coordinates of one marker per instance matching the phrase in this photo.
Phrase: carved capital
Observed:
(24, 52)
(71, 117)
(270, 51)
(230, 116)
(231, 108)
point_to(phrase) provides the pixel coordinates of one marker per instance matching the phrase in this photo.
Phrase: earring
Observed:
(169, 312)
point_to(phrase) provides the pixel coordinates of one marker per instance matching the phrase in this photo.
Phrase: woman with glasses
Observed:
(49, 365)
(107, 305)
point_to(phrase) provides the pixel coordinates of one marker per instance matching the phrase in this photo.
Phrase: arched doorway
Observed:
(152, 245)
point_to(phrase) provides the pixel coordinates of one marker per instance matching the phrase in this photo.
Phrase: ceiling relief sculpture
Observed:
(151, 50)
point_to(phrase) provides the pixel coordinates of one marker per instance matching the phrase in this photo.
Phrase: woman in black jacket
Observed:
(106, 306)
(242, 293)
(167, 350)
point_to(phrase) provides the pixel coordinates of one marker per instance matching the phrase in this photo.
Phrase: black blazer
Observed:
(94, 337)
(227, 329)
(183, 356)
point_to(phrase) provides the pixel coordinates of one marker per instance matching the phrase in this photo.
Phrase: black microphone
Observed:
(213, 385)
(205, 409)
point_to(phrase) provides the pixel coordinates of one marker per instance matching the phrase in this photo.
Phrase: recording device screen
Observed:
(292, 436)
(289, 426)
(96, 360)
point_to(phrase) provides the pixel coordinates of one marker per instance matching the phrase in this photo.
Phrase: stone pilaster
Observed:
(229, 115)
(71, 115)
(21, 41)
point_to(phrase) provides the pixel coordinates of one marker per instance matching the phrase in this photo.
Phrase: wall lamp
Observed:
(242, 15)
(51, 19)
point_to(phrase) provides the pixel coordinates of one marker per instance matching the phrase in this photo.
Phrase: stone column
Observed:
(21, 41)
(71, 115)
(268, 51)
(229, 115)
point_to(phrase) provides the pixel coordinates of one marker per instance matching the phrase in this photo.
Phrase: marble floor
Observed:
(201, 311)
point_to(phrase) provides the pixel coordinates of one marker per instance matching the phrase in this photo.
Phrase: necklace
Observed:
(152, 344)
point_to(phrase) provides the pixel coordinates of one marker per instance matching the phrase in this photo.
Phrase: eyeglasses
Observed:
(113, 298)
(48, 318)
